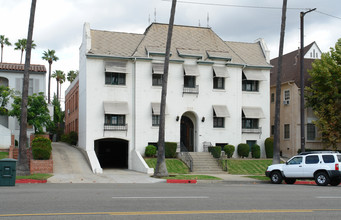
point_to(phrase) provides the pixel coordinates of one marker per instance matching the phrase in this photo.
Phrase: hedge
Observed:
(255, 151)
(150, 151)
(243, 150)
(216, 151)
(229, 150)
(269, 147)
(170, 149)
(41, 148)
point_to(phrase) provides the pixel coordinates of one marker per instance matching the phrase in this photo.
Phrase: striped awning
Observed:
(116, 67)
(221, 111)
(157, 68)
(191, 70)
(253, 112)
(254, 75)
(116, 108)
(220, 71)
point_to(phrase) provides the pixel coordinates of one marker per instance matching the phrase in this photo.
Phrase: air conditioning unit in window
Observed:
(286, 102)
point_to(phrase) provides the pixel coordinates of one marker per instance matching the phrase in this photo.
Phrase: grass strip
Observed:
(174, 166)
(248, 167)
(3, 155)
(37, 176)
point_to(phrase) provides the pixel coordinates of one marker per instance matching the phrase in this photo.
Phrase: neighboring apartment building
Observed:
(71, 107)
(11, 75)
(290, 133)
(218, 93)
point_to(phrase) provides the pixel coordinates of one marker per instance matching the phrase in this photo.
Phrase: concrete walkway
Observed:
(70, 166)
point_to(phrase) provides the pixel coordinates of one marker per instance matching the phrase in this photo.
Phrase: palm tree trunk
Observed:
(22, 52)
(23, 162)
(2, 48)
(57, 90)
(276, 151)
(49, 85)
(161, 169)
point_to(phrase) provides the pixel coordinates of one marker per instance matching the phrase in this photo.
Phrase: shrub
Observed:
(73, 138)
(243, 150)
(210, 149)
(216, 151)
(150, 151)
(170, 149)
(269, 147)
(255, 151)
(229, 150)
(41, 148)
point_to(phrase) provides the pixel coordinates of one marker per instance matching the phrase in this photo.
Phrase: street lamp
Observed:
(302, 79)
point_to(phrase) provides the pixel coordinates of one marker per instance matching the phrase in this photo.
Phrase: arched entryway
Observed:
(187, 131)
(112, 153)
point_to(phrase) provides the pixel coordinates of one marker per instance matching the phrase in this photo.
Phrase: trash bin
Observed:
(7, 172)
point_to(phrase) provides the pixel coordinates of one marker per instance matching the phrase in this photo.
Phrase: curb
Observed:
(30, 181)
(181, 181)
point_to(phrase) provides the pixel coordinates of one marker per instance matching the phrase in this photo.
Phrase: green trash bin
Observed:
(7, 172)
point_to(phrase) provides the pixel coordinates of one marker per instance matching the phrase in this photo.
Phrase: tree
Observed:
(71, 75)
(49, 56)
(37, 111)
(58, 118)
(22, 45)
(276, 152)
(161, 169)
(324, 95)
(23, 162)
(3, 41)
(60, 78)
(5, 95)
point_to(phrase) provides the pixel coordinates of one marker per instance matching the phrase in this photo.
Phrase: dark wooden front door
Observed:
(187, 133)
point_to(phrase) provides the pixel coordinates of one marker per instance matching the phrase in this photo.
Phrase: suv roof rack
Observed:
(318, 152)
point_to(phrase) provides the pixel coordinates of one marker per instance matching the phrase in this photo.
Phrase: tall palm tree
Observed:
(161, 169)
(23, 162)
(3, 41)
(71, 75)
(21, 45)
(49, 56)
(60, 78)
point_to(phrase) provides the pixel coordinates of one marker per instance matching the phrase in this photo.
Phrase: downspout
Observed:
(133, 139)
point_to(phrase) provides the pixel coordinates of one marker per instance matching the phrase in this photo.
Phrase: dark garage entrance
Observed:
(112, 153)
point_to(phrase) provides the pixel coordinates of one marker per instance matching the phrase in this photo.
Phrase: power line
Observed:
(333, 16)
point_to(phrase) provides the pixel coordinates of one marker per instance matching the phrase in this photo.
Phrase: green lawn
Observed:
(37, 176)
(3, 155)
(248, 166)
(174, 166)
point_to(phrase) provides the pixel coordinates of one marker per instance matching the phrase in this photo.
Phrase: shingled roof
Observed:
(291, 67)
(200, 42)
(16, 67)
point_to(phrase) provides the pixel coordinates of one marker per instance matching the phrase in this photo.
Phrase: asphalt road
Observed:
(169, 201)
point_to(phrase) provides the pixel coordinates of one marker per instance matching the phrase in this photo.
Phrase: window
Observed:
(115, 120)
(286, 131)
(218, 122)
(312, 159)
(157, 79)
(155, 120)
(218, 83)
(295, 160)
(250, 123)
(286, 95)
(249, 85)
(311, 132)
(272, 97)
(115, 78)
(328, 158)
(189, 81)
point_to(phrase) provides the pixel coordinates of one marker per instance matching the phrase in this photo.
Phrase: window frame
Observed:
(157, 79)
(110, 119)
(116, 79)
(250, 123)
(310, 132)
(155, 120)
(218, 83)
(286, 131)
(218, 122)
(189, 81)
(286, 95)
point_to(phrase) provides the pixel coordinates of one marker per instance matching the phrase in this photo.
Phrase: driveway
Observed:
(70, 166)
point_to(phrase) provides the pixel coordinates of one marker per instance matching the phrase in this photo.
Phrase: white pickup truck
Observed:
(322, 166)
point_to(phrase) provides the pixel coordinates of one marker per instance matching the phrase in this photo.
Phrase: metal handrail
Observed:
(186, 157)
(192, 90)
(109, 127)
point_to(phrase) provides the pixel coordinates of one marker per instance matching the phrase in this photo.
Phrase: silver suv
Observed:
(322, 166)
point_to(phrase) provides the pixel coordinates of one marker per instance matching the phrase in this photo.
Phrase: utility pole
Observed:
(302, 79)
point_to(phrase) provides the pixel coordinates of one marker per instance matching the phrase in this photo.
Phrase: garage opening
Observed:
(112, 153)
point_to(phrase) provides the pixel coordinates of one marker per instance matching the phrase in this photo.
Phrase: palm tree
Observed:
(161, 169)
(60, 78)
(23, 162)
(49, 56)
(21, 45)
(3, 41)
(71, 75)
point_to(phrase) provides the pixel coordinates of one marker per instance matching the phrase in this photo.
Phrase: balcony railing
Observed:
(191, 90)
(108, 127)
(252, 130)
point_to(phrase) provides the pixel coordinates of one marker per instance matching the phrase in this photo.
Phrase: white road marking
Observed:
(328, 197)
(162, 197)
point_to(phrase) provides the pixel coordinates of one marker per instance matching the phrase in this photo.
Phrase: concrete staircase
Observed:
(203, 162)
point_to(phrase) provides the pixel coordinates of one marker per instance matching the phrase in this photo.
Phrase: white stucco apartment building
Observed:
(218, 93)
(11, 75)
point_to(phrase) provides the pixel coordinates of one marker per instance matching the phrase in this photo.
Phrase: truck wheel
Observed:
(276, 177)
(335, 182)
(290, 180)
(322, 179)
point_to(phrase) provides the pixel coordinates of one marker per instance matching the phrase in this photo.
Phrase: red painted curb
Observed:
(305, 182)
(181, 181)
(30, 181)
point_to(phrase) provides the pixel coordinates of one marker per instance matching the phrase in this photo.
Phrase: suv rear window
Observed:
(339, 158)
(312, 159)
(328, 158)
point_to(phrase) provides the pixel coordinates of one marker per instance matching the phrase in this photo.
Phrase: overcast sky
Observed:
(59, 23)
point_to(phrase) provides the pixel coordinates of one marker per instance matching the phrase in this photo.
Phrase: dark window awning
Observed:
(221, 111)
(254, 75)
(116, 108)
(220, 71)
(191, 70)
(116, 67)
(253, 112)
(157, 68)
